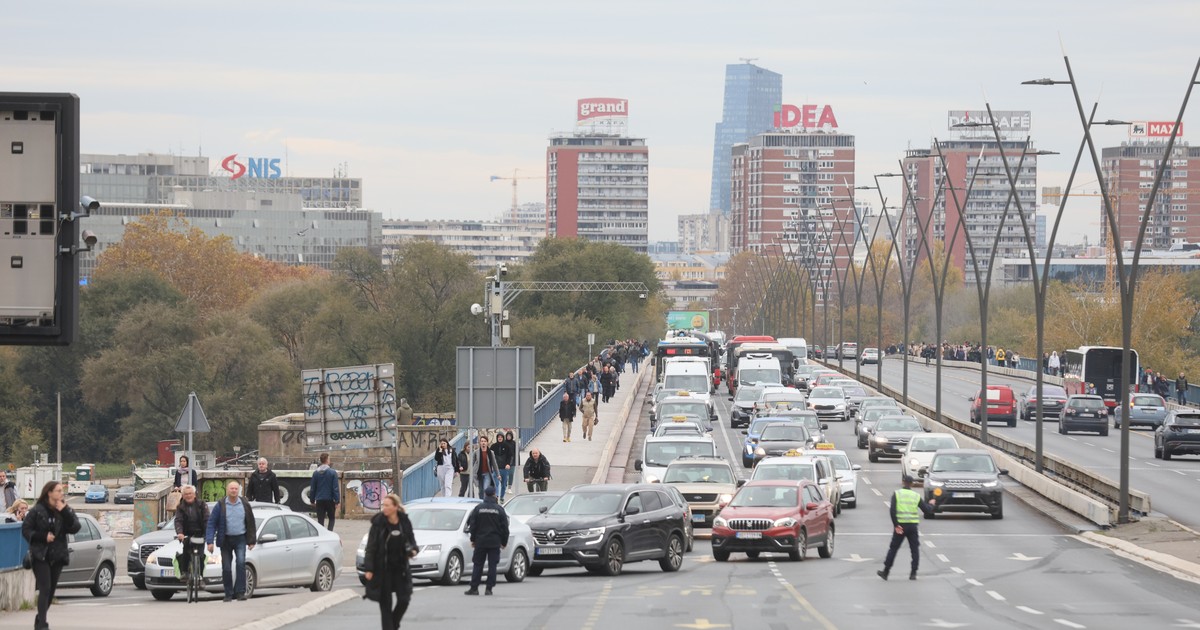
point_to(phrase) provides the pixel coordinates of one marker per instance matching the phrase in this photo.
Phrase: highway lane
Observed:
(1021, 572)
(1174, 486)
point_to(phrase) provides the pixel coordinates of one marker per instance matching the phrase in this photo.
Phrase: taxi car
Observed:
(775, 516)
(682, 403)
(814, 465)
(679, 425)
(707, 483)
(778, 438)
(847, 474)
(920, 451)
(659, 452)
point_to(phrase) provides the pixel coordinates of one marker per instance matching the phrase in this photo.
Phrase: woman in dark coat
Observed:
(47, 527)
(390, 543)
(185, 475)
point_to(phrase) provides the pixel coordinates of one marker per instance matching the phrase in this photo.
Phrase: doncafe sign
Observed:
(805, 116)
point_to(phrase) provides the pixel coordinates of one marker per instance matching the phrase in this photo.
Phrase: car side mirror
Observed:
(632, 510)
(542, 509)
(267, 538)
(824, 427)
(637, 464)
(731, 399)
(811, 506)
(1004, 471)
(972, 399)
(162, 524)
(745, 433)
(741, 482)
(927, 429)
(923, 471)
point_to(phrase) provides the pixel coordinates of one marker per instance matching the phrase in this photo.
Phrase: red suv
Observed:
(774, 516)
(1001, 405)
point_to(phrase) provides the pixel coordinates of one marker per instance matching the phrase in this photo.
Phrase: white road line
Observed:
(957, 570)
(974, 582)
(1030, 610)
(1109, 450)
(943, 557)
(1178, 472)
(1069, 624)
(877, 492)
(866, 481)
(1072, 439)
(929, 543)
(1152, 464)
(996, 596)
(1088, 444)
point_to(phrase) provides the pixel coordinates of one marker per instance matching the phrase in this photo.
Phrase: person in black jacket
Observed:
(444, 459)
(566, 413)
(488, 524)
(263, 485)
(191, 520)
(462, 463)
(47, 527)
(185, 475)
(504, 462)
(390, 543)
(537, 471)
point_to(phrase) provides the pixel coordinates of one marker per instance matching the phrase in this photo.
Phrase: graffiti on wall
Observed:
(370, 491)
(214, 489)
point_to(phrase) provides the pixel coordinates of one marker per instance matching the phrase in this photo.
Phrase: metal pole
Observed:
(58, 456)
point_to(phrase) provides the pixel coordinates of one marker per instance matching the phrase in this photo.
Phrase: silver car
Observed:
(525, 506)
(829, 402)
(440, 526)
(292, 550)
(93, 558)
(1147, 409)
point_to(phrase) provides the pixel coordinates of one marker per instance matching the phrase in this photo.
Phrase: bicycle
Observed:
(195, 574)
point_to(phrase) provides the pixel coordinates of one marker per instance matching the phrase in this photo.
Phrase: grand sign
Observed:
(602, 115)
(805, 117)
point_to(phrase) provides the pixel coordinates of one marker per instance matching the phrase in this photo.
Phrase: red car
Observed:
(1001, 405)
(774, 516)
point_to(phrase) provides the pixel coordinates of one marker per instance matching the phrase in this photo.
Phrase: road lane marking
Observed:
(1030, 610)
(808, 607)
(929, 543)
(1088, 444)
(702, 624)
(866, 481)
(974, 582)
(1069, 624)
(1178, 472)
(1152, 464)
(943, 557)
(877, 492)
(996, 596)
(957, 570)
(601, 601)
(1107, 449)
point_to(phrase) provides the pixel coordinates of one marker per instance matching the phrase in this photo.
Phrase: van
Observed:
(758, 368)
(690, 377)
(658, 452)
(799, 348)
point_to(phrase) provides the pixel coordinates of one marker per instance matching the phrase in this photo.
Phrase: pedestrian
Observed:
(390, 544)
(462, 462)
(537, 471)
(8, 492)
(571, 385)
(1054, 363)
(514, 457)
(483, 464)
(566, 414)
(590, 417)
(263, 485)
(503, 464)
(191, 519)
(231, 527)
(444, 459)
(184, 473)
(906, 510)
(1181, 387)
(607, 384)
(47, 528)
(488, 524)
(16, 512)
(323, 491)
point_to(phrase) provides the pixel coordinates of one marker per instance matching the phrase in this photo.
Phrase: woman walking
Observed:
(47, 527)
(390, 543)
(185, 475)
(462, 463)
(444, 470)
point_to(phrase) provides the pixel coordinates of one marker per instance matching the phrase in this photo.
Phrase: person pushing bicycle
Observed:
(191, 519)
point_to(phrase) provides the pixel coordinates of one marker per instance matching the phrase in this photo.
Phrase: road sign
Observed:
(350, 406)
(495, 387)
(591, 339)
(192, 418)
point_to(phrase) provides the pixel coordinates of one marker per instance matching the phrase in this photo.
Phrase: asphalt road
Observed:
(1174, 486)
(1021, 572)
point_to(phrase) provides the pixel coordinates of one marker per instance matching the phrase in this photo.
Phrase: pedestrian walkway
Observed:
(576, 462)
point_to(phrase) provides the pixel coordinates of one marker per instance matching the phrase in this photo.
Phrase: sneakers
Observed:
(488, 592)
(228, 598)
(912, 576)
(883, 574)
(241, 597)
(472, 591)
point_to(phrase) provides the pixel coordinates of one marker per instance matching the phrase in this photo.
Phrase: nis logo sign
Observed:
(262, 168)
(805, 117)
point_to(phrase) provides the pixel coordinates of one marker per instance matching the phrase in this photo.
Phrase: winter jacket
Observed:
(462, 462)
(324, 485)
(42, 520)
(263, 487)
(375, 558)
(10, 494)
(488, 524)
(191, 519)
(571, 385)
(216, 523)
(442, 458)
(501, 452)
(566, 410)
(537, 470)
(189, 481)
(589, 410)
(492, 467)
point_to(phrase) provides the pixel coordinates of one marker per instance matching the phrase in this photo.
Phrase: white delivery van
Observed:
(759, 368)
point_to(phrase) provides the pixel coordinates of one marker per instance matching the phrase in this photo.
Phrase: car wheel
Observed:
(323, 581)
(251, 581)
(1012, 423)
(535, 571)
(674, 558)
(162, 595)
(103, 584)
(720, 556)
(454, 569)
(139, 583)
(752, 554)
(1061, 428)
(1104, 432)
(518, 568)
(826, 550)
(614, 558)
(1166, 454)
(1157, 455)
(801, 550)
(999, 513)
(872, 457)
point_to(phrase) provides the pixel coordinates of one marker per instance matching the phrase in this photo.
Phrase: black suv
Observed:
(1179, 434)
(965, 480)
(1084, 413)
(602, 527)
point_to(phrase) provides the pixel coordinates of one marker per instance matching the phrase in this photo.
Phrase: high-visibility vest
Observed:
(907, 504)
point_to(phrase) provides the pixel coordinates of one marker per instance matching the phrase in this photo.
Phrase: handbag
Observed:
(27, 561)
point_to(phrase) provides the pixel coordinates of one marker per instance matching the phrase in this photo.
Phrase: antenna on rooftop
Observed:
(747, 59)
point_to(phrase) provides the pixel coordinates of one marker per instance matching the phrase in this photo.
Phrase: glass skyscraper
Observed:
(752, 94)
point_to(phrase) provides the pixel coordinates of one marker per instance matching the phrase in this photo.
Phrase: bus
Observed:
(681, 347)
(1100, 366)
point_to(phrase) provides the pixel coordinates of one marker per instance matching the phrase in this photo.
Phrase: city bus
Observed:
(1100, 366)
(681, 347)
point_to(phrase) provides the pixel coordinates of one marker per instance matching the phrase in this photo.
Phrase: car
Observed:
(823, 378)
(682, 504)
(854, 391)
(775, 517)
(1148, 410)
(920, 451)
(849, 350)
(890, 436)
(1001, 405)
(124, 494)
(771, 396)
(1179, 434)
(96, 493)
(706, 483)
(831, 353)
(871, 402)
(802, 374)
(796, 465)
(1053, 399)
(865, 421)
(1084, 412)
(778, 438)
(743, 405)
(525, 506)
(868, 355)
(752, 433)
(148, 543)
(847, 475)
(965, 480)
(292, 550)
(679, 426)
(658, 452)
(93, 558)
(829, 402)
(818, 353)
(445, 551)
(603, 527)
(685, 406)
(809, 419)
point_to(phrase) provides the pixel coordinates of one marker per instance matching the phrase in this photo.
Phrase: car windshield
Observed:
(682, 428)
(686, 382)
(827, 392)
(1188, 420)
(766, 496)
(811, 423)
(437, 519)
(931, 444)
(125, 489)
(871, 415)
(785, 433)
(977, 463)
(756, 428)
(840, 461)
(1148, 401)
(663, 453)
(694, 409)
(747, 393)
(854, 390)
(790, 472)
(1087, 403)
(698, 473)
(759, 375)
(898, 424)
(587, 503)
(95, 488)
(527, 504)
(1048, 391)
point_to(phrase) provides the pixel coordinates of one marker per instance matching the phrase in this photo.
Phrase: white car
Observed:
(292, 550)
(868, 355)
(829, 402)
(658, 452)
(847, 475)
(527, 505)
(921, 450)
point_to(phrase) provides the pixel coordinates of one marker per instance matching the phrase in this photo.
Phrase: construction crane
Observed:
(515, 177)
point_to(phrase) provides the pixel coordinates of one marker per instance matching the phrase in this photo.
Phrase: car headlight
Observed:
(879, 439)
(725, 498)
(991, 484)
(914, 463)
(134, 546)
(760, 451)
(431, 548)
(934, 483)
(786, 521)
(720, 522)
(591, 532)
(651, 479)
(840, 407)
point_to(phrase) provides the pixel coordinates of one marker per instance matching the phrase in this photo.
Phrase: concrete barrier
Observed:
(613, 438)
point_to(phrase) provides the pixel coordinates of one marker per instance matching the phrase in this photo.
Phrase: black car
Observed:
(1179, 434)
(965, 480)
(890, 435)
(1084, 413)
(602, 527)
(742, 409)
(779, 438)
(124, 495)
(1054, 398)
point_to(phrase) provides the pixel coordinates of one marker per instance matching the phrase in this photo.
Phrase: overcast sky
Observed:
(426, 100)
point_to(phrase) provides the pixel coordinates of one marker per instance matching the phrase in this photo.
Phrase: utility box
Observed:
(28, 216)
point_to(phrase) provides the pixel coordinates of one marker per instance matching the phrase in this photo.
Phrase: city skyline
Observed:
(425, 102)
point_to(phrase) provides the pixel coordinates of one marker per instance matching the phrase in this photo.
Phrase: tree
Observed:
(17, 415)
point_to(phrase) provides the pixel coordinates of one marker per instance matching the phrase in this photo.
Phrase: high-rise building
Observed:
(488, 242)
(1130, 170)
(708, 232)
(598, 179)
(752, 95)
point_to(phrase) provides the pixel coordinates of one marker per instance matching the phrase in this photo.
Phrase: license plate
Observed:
(749, 535)
(963, 495)
(1087, 415)
(1193, 430)
(697, 518)
(549, 551)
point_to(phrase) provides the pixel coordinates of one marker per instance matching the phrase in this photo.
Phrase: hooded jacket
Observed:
(263, 487)
(324, 485)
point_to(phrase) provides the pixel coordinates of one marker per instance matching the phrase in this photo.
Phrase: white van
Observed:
(690, 376)
(658, 452)
(799, 348)
(755, 368)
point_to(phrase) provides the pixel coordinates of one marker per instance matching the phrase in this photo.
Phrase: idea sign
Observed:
(264, 168)
(1154, 129)
(805, 117)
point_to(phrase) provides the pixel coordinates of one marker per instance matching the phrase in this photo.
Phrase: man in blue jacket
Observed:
(231, 526)
(323, 491)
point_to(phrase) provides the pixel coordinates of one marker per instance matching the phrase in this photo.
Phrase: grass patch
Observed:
(103, 471)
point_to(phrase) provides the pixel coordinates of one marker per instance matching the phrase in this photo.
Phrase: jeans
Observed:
(635, 365)
(45, 575)
(464, 481)
(492, 556)
(505, 481)
(325, 508)
(485, 481)
(537, 485)
(1181, 397)
(914, 545)
(233, 545)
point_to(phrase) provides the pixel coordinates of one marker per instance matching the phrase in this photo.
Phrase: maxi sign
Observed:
(259, 168)
(805, 116)
(1153, 129)
(349, 406)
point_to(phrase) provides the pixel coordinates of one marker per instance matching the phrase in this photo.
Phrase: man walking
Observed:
(488, 524)
(907, 507)
(537, 472)
(1181, 387)
(8, 492)
(263, 485)
(231, 526)
(566, 413)
(323, 491)
(483, 464)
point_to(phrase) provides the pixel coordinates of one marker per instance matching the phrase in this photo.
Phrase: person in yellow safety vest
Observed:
(1000, 357)
(907, 506)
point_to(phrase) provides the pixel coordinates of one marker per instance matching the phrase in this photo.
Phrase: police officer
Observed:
(488, 523)
(907, 506)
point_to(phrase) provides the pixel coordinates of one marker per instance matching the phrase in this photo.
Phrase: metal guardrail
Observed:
(419, 481)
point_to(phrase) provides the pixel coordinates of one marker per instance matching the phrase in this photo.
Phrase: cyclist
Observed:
(191, 519)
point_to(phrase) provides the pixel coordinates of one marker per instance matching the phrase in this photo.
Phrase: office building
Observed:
(703, 232)
(487, 242)
(752, 96)
(1130, 170)
(690, 279)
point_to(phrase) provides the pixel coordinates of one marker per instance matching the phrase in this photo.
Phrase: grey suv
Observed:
(965, 480)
